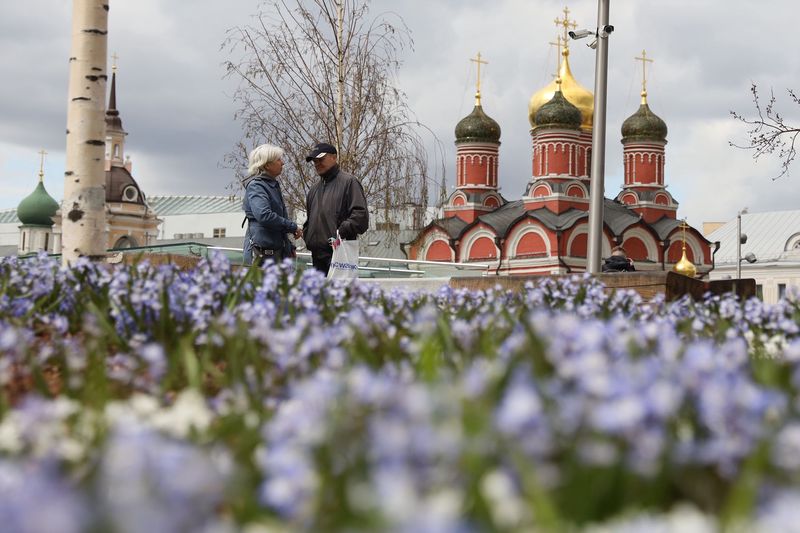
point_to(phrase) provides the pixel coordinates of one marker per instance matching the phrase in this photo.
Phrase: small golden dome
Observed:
(579, 96)
(685, 267)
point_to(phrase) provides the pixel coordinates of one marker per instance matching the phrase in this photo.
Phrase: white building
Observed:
(9, 227)
(774, 238)
(217, 220)
(198, 217)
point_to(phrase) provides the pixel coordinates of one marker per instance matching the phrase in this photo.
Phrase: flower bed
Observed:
(140, 398)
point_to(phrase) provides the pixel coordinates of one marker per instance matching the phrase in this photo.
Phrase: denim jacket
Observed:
(268, 222)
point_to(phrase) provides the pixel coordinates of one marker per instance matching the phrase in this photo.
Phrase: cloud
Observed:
(177, 107)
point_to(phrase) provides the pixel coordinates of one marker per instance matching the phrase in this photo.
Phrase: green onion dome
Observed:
(644, 125)
(477, 126)
(558, 113)
(38, 208)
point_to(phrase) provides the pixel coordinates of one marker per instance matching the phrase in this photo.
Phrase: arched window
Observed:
(438, 251)
(125, 242)
(482, 248)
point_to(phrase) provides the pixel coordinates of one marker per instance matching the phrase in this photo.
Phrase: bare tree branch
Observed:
(287, 63)
(769, 134)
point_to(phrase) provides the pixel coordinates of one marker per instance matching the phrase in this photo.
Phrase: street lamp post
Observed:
(740, 238)
(597, 192)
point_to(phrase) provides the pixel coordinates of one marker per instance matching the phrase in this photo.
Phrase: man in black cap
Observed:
(335, 203)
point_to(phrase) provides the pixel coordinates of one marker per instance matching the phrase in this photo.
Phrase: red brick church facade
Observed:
(545, 231)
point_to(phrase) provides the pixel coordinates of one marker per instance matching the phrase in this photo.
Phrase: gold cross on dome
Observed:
(558, 44)
(41, 164)
(683, 225)
(565, 24)
(480, 62)
(645, 60)
(114, 56)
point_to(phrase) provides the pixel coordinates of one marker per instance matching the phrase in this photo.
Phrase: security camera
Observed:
(593, 44)
(750, 258)
(580, 34)
(743, 238)
(607, 29)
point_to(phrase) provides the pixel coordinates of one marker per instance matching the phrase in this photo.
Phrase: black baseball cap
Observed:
(320, 150)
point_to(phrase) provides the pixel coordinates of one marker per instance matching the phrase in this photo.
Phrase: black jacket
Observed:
(268, 221)
(617, 263)
(337, 201)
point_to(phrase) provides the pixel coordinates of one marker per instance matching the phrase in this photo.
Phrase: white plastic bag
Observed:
(344, 263)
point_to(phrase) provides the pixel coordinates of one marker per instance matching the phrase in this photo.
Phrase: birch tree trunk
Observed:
(340, 51)
(83, 215)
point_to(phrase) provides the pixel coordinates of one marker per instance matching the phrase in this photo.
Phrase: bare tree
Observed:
(769, 133)
(83, 211)
(325, 71)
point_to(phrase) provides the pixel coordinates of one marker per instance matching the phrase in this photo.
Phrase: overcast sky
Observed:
(177, 109)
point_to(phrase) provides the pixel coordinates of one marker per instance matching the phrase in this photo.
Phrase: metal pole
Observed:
(739, 245)
(597, 190)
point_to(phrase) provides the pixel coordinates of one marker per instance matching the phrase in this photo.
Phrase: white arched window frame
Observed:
(580, 186)
(431, 238)
(627, 194)
(692, 242)
(457, 196)
(646, 238)
(792, 243)
(583, 229)
(546, 186)
(520, 231)
(471, 238)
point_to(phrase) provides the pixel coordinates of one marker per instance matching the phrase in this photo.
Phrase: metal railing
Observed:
(375, 267)
(369, 266)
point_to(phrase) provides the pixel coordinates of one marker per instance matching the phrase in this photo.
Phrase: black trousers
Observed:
(321, 263)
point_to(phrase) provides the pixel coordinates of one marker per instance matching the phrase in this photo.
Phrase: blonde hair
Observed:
(262, 155)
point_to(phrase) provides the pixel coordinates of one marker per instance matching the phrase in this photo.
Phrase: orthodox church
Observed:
(546, 231)
(130, 221)
(35, 213)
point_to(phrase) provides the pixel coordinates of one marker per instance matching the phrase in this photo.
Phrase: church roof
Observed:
(644, 125)
(771, 236)
(117, 180)
(502, 217)
(38, 208)
(558, 113)
(664, 226)
(167, 205)
(113, 120)
(9, 216)
(616, 215)
(557, 221)
(477, 127)
(578, 95)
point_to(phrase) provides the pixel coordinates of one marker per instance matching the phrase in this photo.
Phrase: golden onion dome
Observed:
(685, 267)
(578, 95)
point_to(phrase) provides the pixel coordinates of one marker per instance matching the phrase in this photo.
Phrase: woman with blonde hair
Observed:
(268, 223)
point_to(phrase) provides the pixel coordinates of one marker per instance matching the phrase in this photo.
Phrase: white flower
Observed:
(507, 508)
(10, 435)
(143, 405)
(188, 412)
